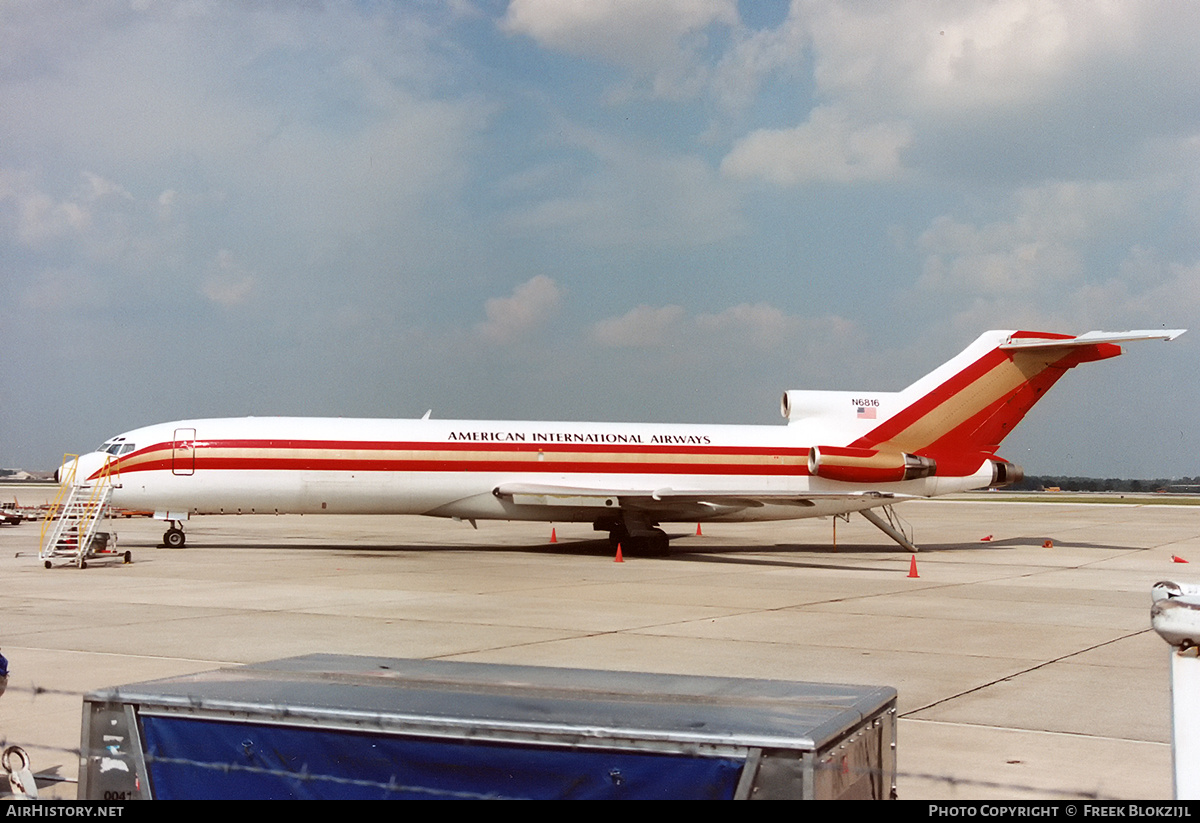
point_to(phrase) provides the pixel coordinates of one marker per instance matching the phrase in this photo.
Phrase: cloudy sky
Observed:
(665, 210)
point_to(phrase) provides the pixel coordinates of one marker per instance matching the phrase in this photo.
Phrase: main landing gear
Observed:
(174, 538)
(634, 537)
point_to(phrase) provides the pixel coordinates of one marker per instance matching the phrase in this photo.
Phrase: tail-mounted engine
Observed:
(1004, 473)
(854, 465)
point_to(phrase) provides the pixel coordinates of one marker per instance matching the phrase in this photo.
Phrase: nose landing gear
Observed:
(174, 538)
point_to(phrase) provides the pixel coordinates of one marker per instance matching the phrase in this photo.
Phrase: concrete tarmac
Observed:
(1023, 671)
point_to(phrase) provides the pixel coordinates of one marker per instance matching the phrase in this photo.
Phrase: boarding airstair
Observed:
(72, 528)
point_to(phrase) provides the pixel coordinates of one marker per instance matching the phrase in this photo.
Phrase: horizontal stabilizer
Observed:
(1089, 339)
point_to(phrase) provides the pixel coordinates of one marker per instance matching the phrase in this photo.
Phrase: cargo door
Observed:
(183, 452)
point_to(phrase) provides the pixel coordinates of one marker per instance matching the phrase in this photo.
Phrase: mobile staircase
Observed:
(71, 529)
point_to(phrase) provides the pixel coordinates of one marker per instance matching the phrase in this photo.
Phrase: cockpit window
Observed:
(117, 447)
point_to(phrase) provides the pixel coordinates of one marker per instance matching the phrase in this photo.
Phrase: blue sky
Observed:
(591, 210)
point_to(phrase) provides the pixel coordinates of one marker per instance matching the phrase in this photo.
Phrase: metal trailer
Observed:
(342, 727)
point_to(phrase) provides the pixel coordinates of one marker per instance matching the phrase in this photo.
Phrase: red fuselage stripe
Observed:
(333, 464)
(615, 448)
(279, 455)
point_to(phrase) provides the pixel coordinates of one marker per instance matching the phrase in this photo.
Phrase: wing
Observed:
(672, 504)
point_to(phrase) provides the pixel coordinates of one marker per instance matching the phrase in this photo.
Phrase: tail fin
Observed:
(966, 407)
(956, 415)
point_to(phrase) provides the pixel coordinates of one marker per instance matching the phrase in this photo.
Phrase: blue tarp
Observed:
(208, 759)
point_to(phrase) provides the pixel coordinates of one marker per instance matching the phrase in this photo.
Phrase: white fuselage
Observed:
(452, 468)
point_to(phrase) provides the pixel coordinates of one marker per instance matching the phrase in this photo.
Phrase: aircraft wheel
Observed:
(174, 539)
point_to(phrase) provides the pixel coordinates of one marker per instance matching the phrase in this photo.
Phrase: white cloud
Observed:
(736, 330)
(343, 115)
(826, 148)
(977, 88)
(510, 318)
(1147, 291)
(626, 194)
(42, 219)
(641, 327)
(98, 221)
(1033, 253)
(755, 56)
(228, 283)
(627, 32)
(38, 216)
(1038, 267)
(656, 40)
(961, 55)
(761, 325)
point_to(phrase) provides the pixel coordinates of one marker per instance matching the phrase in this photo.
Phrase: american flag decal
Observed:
(866, 412)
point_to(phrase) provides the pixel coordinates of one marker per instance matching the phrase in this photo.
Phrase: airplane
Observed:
(839, 452)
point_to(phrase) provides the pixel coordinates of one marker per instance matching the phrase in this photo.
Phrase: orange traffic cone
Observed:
(1049, 544)
(987, 539)
(912, 567)
(1175, 559)
(618, 558)
(553, 536)
(698, 534)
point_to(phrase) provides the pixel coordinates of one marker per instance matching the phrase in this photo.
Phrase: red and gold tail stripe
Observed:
(973, 411)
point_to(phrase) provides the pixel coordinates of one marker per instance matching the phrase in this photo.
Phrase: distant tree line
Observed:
(1109, 484)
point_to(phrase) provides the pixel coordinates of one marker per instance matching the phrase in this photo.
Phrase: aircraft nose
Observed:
(79, 470)
(64, 471)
